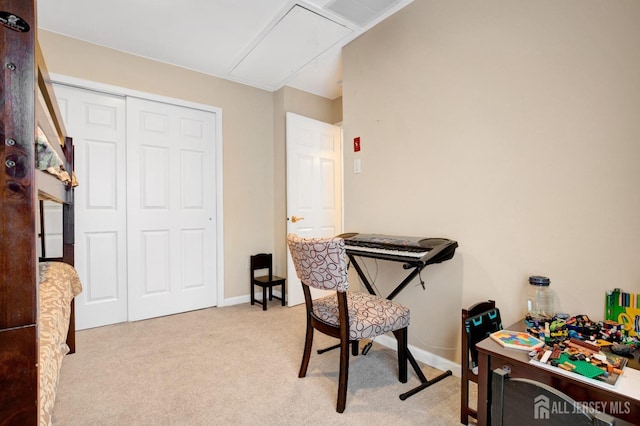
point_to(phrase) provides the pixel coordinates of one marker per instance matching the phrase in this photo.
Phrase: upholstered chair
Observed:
(346, 315)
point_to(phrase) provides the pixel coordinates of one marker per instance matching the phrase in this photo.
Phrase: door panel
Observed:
(101, 248)
(171, 205)
(314, 186)
(97, 123)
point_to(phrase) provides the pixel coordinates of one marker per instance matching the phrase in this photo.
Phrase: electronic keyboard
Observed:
(413, 250)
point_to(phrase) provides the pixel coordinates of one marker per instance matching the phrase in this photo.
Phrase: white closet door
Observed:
(96, 121)
(171, 208)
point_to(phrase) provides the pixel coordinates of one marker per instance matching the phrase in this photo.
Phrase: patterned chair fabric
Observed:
(321, 263)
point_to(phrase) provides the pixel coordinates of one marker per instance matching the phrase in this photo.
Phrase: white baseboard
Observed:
(246, 298)
(423, 356)
(237, 300)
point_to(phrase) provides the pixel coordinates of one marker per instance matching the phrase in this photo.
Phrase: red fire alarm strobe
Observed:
(356, 144)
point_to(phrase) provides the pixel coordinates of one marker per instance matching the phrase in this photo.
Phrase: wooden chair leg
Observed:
(464, 399)
(344, 376)
(401, 337)
(465, 410)
(282, 297)
(264, 298)
(308, 340)
(253, 294)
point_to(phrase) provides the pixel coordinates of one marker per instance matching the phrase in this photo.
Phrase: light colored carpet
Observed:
(235, 365)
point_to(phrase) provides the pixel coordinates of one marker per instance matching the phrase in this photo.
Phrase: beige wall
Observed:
(248, 138)
(512, 127)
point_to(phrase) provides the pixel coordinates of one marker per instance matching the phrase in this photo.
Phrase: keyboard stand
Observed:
(416, 268)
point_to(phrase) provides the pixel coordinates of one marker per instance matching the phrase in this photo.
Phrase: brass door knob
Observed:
(295, 219)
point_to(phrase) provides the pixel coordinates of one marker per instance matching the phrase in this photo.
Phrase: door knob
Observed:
(295, 219)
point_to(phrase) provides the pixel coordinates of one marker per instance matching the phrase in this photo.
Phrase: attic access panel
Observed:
(361, 12)
(298, 38)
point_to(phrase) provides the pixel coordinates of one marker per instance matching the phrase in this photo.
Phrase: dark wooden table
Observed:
(492, 355)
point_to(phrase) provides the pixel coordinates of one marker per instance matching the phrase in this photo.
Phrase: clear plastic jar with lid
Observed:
(540, 299)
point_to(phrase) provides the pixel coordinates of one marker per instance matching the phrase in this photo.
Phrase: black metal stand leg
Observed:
(416, 367)
(425, 383)
(354, 348)
(330, 348)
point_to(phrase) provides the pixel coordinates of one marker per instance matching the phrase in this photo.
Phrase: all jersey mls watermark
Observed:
(543, 408)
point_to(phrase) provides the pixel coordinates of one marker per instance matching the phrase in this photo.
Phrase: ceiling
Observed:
(263, 43)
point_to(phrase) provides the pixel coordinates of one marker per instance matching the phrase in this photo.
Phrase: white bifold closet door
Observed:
(97, 124)
(145, 206)
(171, 208)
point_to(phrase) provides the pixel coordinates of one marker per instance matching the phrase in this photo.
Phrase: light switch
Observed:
(357, 166)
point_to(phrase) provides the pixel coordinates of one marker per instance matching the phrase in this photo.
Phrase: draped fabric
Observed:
(48, 159)
(59, 284)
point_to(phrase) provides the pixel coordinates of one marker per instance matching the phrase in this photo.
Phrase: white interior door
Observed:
(171, 208)
(97, 123)
(314, 187)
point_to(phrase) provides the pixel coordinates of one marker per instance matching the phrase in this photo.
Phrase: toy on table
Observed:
(552, 330)
(583, 358)
(517, 340)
